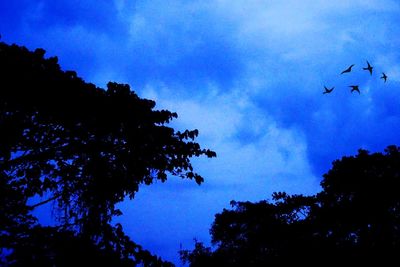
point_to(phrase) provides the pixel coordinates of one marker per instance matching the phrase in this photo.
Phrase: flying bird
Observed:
(354, 88)
(348, 69)
(369, 68)
(384, 77)
(327, 91)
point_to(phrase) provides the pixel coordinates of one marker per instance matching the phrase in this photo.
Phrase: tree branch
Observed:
(44, 202)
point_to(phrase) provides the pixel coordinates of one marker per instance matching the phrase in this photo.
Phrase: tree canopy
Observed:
(84, 148)
(354, 219)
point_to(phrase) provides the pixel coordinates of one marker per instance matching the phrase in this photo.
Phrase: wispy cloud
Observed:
(250, 144)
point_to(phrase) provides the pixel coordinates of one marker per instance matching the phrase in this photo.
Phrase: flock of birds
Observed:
(355, 88)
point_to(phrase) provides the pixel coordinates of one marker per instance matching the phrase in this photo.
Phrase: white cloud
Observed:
(301, 27)
(244, 170)
(270, 151)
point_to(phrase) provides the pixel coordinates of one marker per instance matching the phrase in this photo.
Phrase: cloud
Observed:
(224, 122)
(233, 69)
(248, 74)
(274, 159)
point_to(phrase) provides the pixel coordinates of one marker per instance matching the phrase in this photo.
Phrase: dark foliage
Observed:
(355, 219)
(49, 246)
(83, 148)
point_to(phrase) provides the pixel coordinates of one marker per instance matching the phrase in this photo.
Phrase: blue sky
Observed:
(248, 74)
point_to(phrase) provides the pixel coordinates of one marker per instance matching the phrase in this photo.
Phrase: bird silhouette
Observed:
(354, 88)
(384, 77)
(327, 91)
(348, 69)
(369, 68)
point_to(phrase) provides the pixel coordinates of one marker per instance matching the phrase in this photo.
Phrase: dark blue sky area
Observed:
(248, 74)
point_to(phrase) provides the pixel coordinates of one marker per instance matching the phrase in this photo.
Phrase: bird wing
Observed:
(346, 70)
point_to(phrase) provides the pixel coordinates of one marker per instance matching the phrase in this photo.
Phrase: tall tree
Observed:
(354, 219)
(80, 146)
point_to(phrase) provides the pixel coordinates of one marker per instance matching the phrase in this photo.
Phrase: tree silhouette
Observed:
(81, 147)
(355, 219)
